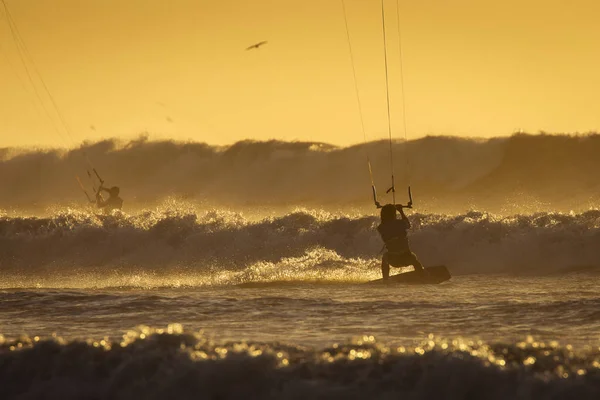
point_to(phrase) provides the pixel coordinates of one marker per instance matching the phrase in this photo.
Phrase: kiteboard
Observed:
(432, 275)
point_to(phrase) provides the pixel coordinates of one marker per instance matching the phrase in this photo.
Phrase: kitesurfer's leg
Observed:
(385, 266)
(416, 263)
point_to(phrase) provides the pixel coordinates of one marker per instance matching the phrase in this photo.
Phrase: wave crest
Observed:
(164, 363)
(221, 247)
(522, 173)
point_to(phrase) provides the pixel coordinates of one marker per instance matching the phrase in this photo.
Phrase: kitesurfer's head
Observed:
(388, 212)
(113, 191)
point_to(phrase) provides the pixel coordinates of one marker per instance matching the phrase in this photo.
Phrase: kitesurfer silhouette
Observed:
(393, 231)
(114, 202)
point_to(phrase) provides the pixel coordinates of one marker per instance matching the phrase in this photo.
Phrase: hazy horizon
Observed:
(151, 137)
(517, 174)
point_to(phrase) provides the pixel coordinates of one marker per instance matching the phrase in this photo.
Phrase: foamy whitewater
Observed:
(224, 295)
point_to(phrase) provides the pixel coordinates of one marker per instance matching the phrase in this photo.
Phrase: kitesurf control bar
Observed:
(378, 205)
(100, 179)
(96, 191)
(375, 197)
(83, 188)
(409, 204)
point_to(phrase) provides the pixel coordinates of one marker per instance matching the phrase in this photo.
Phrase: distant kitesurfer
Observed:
(394, 235)
(114, 202)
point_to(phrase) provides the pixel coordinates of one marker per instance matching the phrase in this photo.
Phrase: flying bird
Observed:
(257, 45)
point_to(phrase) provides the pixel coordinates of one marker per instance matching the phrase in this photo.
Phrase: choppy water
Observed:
(146, 306)
(493, 337)
(492, 308)
(522, 173)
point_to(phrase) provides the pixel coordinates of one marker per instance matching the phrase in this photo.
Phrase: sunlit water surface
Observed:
(492, 308)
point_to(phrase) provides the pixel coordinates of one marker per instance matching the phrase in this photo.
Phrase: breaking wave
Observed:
(170, 363)
(522, 173)
(223, 248)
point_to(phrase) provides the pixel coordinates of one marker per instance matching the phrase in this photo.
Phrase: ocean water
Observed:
(185, 302)
(510, 175)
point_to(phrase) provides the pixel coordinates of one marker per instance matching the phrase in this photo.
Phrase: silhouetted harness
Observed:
(385, 244)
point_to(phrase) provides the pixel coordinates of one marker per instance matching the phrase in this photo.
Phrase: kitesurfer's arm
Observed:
(100, 203)
(404, 217)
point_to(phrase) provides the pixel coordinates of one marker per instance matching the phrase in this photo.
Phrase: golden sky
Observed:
(178, 69)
